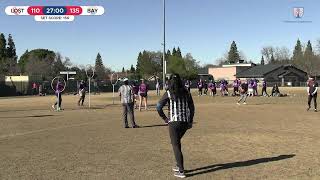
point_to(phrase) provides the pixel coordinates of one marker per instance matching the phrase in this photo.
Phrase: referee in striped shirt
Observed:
(127, 100)
(181, 112)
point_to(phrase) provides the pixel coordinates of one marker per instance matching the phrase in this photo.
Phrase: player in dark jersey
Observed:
(205, 86)
(200, 87)
(312, 94)
(243, 93)
(143, 94)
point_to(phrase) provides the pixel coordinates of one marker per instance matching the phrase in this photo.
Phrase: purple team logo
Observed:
(298, 12)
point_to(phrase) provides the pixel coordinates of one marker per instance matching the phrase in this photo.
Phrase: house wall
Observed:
(226, 73)
(295, 76)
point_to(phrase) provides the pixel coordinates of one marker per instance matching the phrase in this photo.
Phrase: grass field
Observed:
(269, 138)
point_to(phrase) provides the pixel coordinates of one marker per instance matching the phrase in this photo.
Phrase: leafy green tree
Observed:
(233, 55)
(38, 62)
(58, 64)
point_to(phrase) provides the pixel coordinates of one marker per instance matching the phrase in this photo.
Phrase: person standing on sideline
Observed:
(58, 92)
(143, 94)
(243, 93)
(126, 98)
(34, 88)
(187, 85)
(312, 94)
(205, 85)
(181, 113)
(200, 86)
(264, 88)
(82, 93)
(255, 87)
(235, 87)
(158, 87)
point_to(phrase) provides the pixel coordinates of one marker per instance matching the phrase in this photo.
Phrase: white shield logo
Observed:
(298, 12)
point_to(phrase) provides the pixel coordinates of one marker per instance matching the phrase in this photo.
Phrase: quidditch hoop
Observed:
(58, 78)
(89, 67)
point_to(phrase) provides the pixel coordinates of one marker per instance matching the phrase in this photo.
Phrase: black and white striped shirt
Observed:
(125, 91)
(180, 109)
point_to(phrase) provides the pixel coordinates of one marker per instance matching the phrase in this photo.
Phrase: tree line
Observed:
(44, 64)
(302, 56)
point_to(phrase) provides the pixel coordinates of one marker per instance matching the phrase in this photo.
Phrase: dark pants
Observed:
(200, 91)
(128, 108)
(264, 91)
(314, 97)
(81, 100)
(205, 91)
(235, 90)
(176, 131)
(59, 100)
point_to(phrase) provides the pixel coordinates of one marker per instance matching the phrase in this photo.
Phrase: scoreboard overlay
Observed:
(54, 13)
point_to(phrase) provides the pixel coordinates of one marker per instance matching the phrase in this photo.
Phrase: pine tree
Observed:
(262, 60)
(123, 71)
(178, 54)
(297, 54)
(139, 64)
(168, 53)
(3, 44)
(11, 56)
(132, 70)
(174, 52)
(233, 55)
(309, 57)
(11, 49)
(100, 70)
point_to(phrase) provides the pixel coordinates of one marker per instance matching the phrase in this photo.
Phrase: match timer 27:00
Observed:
(51, 13)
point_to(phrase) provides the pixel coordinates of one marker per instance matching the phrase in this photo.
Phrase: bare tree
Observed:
(267, 52)
(282, 55)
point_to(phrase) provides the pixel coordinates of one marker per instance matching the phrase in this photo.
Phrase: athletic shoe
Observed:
(244, 103)
(308, 108)
(179, 174)
(135, 126)
(315, 110)
(175, 169)
(126, 127)
(238, 103)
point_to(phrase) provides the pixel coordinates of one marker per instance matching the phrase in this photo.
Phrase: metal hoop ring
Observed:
(58, 77)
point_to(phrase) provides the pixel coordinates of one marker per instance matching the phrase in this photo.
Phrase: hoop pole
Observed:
(112, 94)
(89, 93)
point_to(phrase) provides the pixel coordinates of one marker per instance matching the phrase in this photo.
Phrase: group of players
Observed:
(204, 87)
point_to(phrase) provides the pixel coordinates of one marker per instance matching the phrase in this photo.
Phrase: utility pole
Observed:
(164, 63)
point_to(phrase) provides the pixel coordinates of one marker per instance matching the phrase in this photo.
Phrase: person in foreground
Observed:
(127, 100)
(181, 112)
(312, 93)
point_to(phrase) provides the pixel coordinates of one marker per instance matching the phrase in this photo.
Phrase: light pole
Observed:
(164, 63)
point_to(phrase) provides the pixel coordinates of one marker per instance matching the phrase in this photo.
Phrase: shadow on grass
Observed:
(157, 125)
(217, 167)
(33, 116)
